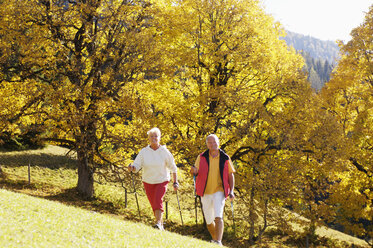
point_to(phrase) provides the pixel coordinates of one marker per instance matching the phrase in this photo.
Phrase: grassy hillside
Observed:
(54, 177)
(27, 221)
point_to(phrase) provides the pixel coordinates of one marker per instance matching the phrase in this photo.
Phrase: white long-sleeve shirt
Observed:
(156, 164)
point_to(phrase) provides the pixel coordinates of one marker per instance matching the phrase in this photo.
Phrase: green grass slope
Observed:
(27, 221)
(106, 221)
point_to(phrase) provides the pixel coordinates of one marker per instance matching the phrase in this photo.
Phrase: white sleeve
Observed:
(138, 163)
(171, 162)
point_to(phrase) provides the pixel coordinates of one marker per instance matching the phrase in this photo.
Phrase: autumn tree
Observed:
(16, 95)
(76, 64)
(230, 74)
(219, 53)
(349, 97)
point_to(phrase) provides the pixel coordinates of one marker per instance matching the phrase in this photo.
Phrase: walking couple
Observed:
(214, 179)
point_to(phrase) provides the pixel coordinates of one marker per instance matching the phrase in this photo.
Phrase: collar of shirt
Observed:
(160, 148)
(216, 157)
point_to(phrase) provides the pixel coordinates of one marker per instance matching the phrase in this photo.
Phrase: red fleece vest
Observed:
(204, 165)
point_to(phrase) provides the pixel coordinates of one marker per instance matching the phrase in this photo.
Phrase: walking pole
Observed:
(234, 226)
(134, 190)
(178, 203)
(195, 199)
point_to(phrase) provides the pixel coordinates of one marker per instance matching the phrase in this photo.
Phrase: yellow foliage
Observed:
(349, 97)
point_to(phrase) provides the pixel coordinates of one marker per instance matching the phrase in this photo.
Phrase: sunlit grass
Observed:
(26, 221)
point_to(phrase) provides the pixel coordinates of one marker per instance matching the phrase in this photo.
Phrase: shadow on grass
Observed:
(199, 231)
(300, 240)
(13, 185)
(72, 197)
(51, 161)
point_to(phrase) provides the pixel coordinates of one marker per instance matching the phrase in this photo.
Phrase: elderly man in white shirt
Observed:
(157, 162)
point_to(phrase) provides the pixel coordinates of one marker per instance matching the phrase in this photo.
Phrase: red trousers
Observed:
(155, 194)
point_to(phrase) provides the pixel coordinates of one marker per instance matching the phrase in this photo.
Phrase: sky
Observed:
(323, 19)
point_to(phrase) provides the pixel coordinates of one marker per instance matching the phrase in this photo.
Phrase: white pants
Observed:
(213, 206)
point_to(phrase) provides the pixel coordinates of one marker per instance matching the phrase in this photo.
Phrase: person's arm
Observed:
(231, 185)
(176, 183)
(137, 164)
(170, 163)
(231, 179)
(194, 169)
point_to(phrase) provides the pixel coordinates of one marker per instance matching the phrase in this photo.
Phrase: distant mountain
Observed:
(318, 49)
(320, 56)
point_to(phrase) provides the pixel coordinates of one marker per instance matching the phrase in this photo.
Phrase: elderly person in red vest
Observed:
(156, 162)
(214, 183)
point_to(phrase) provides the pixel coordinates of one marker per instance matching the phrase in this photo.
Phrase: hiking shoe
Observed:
(216, 242)
(158, 226)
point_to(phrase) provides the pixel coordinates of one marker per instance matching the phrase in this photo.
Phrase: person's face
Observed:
(212, 144)
(154, 139)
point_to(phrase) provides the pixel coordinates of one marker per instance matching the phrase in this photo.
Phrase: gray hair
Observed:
(154, 130)
(215, 137)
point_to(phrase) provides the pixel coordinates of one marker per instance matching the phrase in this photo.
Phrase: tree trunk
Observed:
(265, 214)
(85, 177)
(252, 216)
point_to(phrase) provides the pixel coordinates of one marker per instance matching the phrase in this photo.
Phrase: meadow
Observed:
(47, 211)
